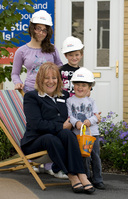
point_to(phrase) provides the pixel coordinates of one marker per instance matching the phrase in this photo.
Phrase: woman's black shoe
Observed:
(77, 189)
(90, 190)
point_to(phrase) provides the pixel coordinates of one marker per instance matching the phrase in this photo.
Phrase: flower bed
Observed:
(114, 143)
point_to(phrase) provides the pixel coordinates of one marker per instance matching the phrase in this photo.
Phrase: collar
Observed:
(45, 94)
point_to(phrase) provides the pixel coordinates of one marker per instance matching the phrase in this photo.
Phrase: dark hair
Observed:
(81, 51)
(46, 45)
(89, 83)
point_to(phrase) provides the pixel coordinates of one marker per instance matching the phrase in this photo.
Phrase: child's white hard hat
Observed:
(83, 75)
(42, 17)
(71, 44)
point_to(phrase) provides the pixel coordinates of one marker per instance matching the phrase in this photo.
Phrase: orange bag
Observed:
(85, 142)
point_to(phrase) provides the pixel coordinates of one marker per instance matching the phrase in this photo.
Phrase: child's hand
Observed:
(87, 123)
(78, 125)
(98, 116)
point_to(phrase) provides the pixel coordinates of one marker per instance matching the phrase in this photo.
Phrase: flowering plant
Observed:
(114, 142)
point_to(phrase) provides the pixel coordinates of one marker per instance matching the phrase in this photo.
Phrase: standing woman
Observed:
(48, 128)
(38, 51)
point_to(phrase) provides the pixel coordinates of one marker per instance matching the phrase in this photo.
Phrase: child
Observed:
(82, 109)
(73, 51)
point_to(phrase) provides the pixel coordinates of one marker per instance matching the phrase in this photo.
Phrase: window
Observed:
(103, 30)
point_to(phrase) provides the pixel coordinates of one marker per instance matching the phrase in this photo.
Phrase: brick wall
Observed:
(125, 91)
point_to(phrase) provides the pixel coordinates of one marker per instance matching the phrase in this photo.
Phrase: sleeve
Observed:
(93, 119)
(73, 120)
(57, 59)
(17, 65)
(34, 117)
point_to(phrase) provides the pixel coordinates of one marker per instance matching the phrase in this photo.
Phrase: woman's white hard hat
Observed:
(42, 17)
(83, 75)
(71, 44)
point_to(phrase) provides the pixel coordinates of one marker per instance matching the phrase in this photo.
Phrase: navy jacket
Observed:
(43, 115)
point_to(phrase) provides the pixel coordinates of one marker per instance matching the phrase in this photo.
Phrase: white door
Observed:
(99, 24)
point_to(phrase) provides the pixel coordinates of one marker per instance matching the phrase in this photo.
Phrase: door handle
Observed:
(117, 69)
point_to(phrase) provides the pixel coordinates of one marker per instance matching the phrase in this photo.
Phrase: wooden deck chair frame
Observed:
(22, 161)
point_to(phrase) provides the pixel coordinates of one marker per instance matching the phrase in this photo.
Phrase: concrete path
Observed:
(116, 186)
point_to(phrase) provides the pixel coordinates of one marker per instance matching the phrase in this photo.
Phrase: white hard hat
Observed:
(71, 44)
(83, 75)
(42, 17)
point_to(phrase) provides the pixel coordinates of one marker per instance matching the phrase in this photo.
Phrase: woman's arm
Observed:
(17, 65)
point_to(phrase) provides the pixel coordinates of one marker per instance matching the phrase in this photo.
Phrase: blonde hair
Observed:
(44, 68)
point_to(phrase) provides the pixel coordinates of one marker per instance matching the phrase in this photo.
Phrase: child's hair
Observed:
(44, 68)
(89, 83)
(81, 51)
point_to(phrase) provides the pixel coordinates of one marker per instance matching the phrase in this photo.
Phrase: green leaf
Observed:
(20, 6)
(29, 1)
(5, 3)
(21, 1)
(15, 40)
(5, 53)
(29, 8)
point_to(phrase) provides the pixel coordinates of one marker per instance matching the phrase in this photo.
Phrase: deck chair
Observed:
(12, 121)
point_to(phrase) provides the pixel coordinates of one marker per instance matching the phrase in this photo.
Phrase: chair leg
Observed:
(41, 184)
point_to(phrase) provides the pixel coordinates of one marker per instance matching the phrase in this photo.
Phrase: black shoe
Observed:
(99, 185)
(90, 190)
(77, 189)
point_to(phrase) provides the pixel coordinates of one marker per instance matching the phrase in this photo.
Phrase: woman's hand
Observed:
(19, 86)
(67, 124)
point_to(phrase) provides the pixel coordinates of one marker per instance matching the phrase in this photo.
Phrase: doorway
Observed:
(99, 25)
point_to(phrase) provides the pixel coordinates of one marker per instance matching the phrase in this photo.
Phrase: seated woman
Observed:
(49, 129)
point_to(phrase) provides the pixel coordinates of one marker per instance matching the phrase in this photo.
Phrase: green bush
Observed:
(6, 148)
(114, 142)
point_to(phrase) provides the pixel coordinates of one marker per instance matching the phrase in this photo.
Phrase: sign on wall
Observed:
(23, 25)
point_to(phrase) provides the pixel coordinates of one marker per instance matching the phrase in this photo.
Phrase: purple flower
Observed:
(103, 119)
(106, 132)
(102, 140)
(108, 116)
(124, 142)
(111, 113)
(111, 129)
(123, 135)
(112, 125)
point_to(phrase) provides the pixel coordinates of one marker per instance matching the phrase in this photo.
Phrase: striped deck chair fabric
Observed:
(12, 115)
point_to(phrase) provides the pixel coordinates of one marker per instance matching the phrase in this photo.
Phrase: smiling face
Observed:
(50, 82)
(74, 58)
(40, 31)
(81, 89)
